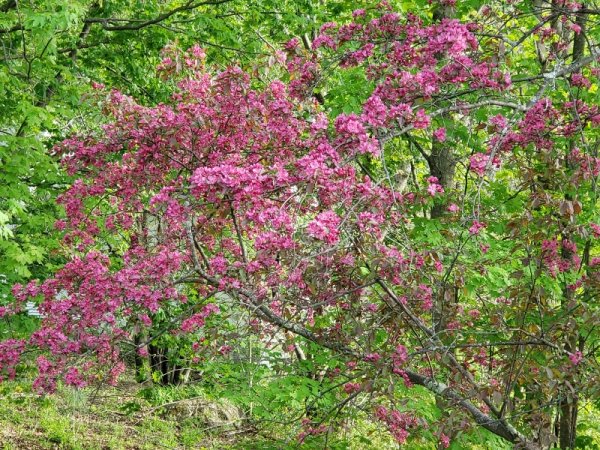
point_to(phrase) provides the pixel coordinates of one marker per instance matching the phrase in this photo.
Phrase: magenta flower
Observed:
(325, 227)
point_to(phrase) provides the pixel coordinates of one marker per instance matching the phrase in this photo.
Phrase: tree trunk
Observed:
(140, 369)
(442, 166)
(567, 426)
(568, 406)
(168, 372)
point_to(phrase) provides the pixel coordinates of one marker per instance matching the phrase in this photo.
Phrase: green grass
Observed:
(77, 420)
(127, 418)
(121, 418)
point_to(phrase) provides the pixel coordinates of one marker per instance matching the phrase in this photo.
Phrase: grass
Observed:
(72, 419)
(126, 417)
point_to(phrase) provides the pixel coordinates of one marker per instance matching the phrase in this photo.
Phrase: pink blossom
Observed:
(576, 357)
(325, 227)
(349, 124)
(398, 423)
(225, 349)
(434, 187)
(374, 111)
(292, 44)
(328, 26)
(400, 355)
(372, 307)
(323, 40)
(579, 80)
(440, 134)
(10, 354)
(145, 319)
(425, 294)
(479, 163)
(444, 441)
(372, 357)
(476, 227)
(421, 120)
(499, 121)
(192, 323)
(351, 388)
(115, 372)
(475, 313)
(354, 58)
(196, 321)
(198, 52)
(210, 308)
(219, 264)
(74, 378)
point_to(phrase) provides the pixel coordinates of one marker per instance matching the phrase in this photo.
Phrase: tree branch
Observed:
(496, 426)
(575, 67)
(136, 24)
(455, 108)
(12, 29)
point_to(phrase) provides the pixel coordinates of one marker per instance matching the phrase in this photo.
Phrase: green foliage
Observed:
(19, 326)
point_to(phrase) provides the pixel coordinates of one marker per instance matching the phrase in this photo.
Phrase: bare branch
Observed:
(496, 426)
(12, 29)
(136, 24)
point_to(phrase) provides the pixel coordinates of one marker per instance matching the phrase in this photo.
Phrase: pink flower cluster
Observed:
(196, 321)
(325, 227)
(476, 227)
(10, 354)
(439, 134)
(576, 358)
(559, 256)
(351, 388)
(397, 422)
(310, 430)
(479, 163)
(425, 295)
(434, 187)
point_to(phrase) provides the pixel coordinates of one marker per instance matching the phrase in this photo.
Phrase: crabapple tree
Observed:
(442, 233)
